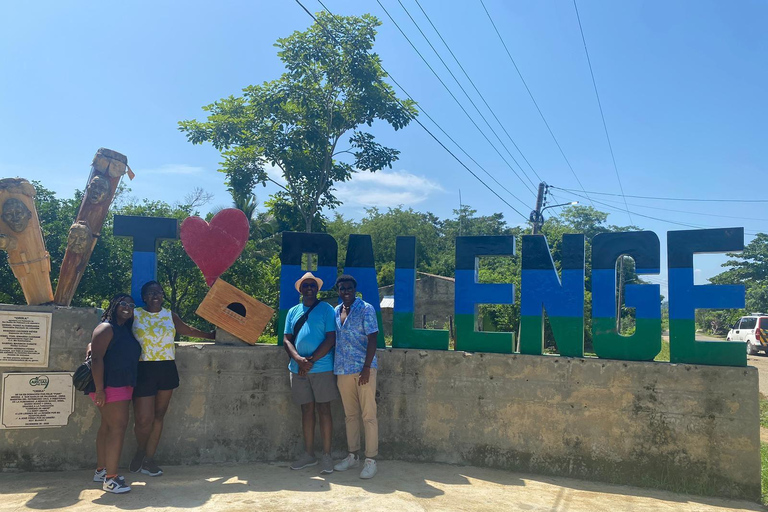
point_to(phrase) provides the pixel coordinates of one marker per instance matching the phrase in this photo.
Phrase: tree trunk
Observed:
(308, 223)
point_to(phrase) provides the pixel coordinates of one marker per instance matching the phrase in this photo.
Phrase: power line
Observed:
(557, 143)
(720, 216)
(599, 104)
(684, 224)
(669, 198)
(417, 121)
(456, 99)
(465, 92)
(474, 86)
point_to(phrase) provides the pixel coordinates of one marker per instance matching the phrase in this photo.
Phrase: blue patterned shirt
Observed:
(352, 337)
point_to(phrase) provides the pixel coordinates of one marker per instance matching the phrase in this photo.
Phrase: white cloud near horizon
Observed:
(171, 169)
(386, 189)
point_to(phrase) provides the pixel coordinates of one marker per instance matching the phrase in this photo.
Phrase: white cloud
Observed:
(275, 174)
(386, 189)
(171, 169)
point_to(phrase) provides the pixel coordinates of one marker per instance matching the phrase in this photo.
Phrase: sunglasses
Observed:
(124, 304)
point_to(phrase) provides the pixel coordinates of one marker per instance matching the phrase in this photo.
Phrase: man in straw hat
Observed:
(310, 334)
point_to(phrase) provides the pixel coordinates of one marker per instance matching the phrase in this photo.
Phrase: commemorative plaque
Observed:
(36, 400)
(24, 338)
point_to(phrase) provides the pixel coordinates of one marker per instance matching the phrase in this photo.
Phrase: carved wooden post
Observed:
(21, 237)
(106, 170)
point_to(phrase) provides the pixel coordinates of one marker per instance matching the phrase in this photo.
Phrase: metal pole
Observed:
(536, 218)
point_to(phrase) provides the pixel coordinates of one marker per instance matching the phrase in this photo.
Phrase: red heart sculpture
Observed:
(215, 246)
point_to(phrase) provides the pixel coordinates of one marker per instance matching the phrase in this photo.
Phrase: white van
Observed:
(754, 330)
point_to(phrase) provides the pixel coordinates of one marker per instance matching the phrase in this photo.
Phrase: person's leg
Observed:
(308, 426)
(115, 415)
(101, 443)
(144, 417)
(326, 425)
(161, 403)
(347, 385)
(367, 394)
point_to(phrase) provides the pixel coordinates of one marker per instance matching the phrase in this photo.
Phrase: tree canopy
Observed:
(307, 122)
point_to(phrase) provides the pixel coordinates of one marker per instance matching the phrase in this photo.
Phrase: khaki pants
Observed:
(360, 404)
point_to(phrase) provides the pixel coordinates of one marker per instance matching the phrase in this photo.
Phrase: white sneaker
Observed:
(116, 485)
(98, 476)
(369, 469)
(350, 462)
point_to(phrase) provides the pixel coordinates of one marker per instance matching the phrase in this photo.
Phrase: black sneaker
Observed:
(148, 467)
(116, 485)
(136, 462)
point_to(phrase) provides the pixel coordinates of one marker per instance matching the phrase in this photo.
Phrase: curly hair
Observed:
(110, 313)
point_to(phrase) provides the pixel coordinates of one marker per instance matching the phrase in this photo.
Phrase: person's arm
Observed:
(188, 330)
(304, 364)
(102, 337)
(370, 353)
(325, 347)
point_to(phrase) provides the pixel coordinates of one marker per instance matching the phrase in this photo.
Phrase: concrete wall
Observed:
(686, 428)
(434, 299)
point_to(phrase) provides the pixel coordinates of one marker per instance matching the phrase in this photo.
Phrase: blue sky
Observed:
(682, 86)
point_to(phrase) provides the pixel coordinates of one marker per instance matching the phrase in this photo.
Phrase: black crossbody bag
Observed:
(302, 320)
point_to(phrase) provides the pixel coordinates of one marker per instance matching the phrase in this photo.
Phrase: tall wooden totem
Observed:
(22, 238)
(106, 170)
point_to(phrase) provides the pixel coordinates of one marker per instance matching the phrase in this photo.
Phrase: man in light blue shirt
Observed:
(355, 367)
(309, 337)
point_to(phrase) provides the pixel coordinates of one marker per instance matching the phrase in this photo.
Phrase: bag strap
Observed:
(302, 320)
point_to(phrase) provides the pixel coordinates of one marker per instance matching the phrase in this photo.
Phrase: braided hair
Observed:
(110, 314)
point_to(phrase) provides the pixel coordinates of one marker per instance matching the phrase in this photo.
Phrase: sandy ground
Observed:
(399, 486)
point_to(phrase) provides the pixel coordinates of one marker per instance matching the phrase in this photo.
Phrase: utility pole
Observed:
(536, 218)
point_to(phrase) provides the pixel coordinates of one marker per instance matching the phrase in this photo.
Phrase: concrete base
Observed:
(679, 427)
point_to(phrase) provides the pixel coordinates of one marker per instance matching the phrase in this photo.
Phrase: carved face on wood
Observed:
(79, 238)
(16, 214)
(98, 189)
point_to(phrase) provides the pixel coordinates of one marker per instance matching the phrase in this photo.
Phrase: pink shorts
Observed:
(115, 394)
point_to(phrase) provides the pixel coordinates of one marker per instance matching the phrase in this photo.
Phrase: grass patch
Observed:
(764, 470)
(269, 339)
(763, 411)
(664, 354)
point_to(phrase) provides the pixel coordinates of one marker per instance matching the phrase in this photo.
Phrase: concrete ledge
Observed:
(679, 427)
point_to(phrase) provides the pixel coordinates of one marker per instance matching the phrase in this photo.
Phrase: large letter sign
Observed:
(295, 245)
(147, 232)
(562, 299)
(645, 343)
(404, 335)
(360, 265)
(469, 293)
(685, 297)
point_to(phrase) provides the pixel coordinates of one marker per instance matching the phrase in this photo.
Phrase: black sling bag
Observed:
(302, 320)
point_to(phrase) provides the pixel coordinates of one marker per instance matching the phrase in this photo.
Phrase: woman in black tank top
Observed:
(115, 357)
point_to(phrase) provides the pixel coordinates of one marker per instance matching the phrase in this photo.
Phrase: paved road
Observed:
(399, 487)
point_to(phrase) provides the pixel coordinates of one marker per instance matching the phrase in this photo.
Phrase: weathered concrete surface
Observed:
(399, 487)
(681, 427)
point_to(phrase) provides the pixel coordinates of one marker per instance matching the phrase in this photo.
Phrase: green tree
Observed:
(331, 87)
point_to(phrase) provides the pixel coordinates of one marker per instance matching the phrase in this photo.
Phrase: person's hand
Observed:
(305, 365)
(365, 376)
(100, 398)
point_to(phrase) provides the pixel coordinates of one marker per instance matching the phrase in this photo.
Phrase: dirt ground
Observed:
(399, 487)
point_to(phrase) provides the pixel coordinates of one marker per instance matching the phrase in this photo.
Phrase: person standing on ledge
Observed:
(155, 327)
(355, 368)
(310, 334)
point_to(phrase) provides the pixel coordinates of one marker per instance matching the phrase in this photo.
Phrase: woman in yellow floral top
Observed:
(155, 327)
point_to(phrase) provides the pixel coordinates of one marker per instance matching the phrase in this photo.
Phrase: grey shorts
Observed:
(314, 387)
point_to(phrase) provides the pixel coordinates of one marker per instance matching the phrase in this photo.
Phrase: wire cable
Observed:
(457, 100)
(669, 198)
(685, 224)
(514, 64)
(471, 82)
(417, 121)
(599, 104)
